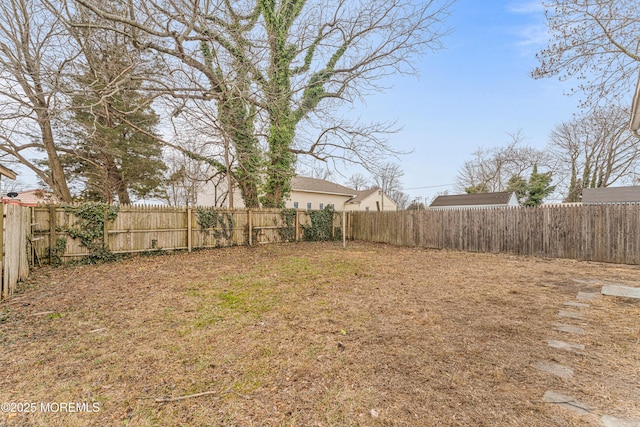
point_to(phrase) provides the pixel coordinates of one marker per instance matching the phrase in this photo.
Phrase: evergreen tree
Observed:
(115, 154)
(538, 188)
(518, 185)
(474, 189)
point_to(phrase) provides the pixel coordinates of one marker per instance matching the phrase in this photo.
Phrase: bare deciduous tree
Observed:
(491, 169)
(596, 150)
(275, 66)
(205, 47)
(34, 55)
(388, 178)
(185, 179)
(595, 41)
(358, 182)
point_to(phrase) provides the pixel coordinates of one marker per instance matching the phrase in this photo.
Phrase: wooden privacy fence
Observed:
(607, 233)
(137, 229)
(14, 237)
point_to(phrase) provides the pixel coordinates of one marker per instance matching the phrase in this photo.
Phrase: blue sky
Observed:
(473, 93)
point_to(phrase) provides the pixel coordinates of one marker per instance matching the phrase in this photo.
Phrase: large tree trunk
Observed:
(57, 180)
(237, 122)
(116, 182)
(280, 169)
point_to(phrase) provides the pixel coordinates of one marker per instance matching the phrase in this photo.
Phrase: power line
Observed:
(429, 186)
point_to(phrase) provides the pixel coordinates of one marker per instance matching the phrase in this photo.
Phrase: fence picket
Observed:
(607, 233)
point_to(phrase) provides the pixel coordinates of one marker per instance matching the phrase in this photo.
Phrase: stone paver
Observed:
(587, 296)
(609, 421)
(571, 314)
(570, 329)
(561, 345)
(576, 304)
(565, 401)
(621, 291)
(555, 369)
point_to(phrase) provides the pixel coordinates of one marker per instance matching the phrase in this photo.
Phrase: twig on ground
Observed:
(189, 396)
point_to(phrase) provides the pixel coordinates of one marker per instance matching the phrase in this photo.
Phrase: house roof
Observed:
(361, 195)
(314, 185)
(7, 172)
(34, 197)
(628, 194)
(501, 198)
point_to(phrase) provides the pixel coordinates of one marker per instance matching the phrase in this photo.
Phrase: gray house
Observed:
(476, 200)
(630, 194)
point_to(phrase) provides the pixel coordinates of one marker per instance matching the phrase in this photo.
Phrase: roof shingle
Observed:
(314, 185)
(629, 194)
(501, 198)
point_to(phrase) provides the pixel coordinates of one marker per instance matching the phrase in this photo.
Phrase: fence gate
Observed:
(14, 235)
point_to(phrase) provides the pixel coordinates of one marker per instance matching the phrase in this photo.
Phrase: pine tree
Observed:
(538, 188)
(520, 186)
(115, 153)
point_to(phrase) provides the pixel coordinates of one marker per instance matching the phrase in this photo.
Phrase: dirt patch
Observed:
(315, 335)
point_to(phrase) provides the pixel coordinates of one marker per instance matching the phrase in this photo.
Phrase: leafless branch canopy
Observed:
(490, 170)
(595, 41)
(596, 150)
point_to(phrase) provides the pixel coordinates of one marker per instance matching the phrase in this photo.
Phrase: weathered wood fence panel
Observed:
(14, 261)
(139, 229)
(144, 228)
(608, 233)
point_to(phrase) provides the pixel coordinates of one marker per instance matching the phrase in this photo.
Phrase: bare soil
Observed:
(311, 334)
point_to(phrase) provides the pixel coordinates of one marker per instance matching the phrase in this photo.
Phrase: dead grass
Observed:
(314, 335)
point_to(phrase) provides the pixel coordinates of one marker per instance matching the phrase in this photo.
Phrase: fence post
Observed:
(52, 232)
(297, 223)
(105, 228)
(250, 228)
(1, 251)
(344, 229)
(189, 226)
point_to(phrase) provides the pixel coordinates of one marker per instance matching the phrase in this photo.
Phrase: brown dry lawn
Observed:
(311, 334)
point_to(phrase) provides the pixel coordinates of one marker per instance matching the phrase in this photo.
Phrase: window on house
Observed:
(309, 205)
(321, 206)
(295, 205)
(367, 209)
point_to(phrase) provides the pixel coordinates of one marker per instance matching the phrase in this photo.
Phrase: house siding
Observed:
(370, 203)
(305, 197)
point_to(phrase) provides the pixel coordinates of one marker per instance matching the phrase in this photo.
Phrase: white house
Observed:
(307, 193)
(313, 193)
(476, 200)
(371, 200)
